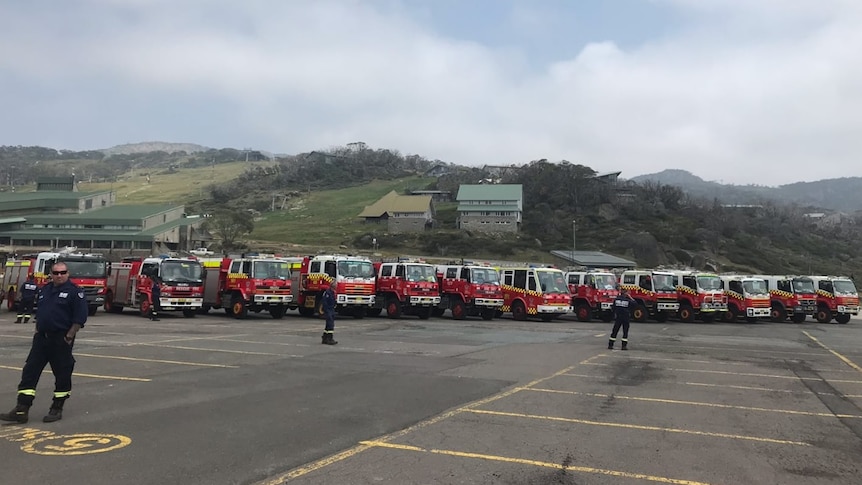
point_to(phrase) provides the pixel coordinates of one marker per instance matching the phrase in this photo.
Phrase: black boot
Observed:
(20, 414)
(18, 320)
(56, 411)
(611, 344)
(625, 344)
(26, 318)
(154, 317)
(329, 338)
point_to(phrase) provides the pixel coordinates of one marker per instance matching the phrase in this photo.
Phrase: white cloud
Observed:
(774, 105)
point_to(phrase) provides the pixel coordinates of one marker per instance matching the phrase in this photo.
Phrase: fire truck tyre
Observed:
(393, 307)
(730, 315)
(686, 313)
(660, 317)
(842, 318)
(823, 315)
(190, 313)
(779, 314)
(437, 312)
(373, 312)
(110, 305)
(306, 312)
(798, 317)
(145, 306)
(584, 312)
(424, 313)
(92, 309)
(10, 302)
(640, 313)
(277, 312)
(238, 307)
(488, 314)
(519, 312)
(459, 310)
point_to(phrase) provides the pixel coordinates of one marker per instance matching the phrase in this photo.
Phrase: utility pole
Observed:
(574, 241)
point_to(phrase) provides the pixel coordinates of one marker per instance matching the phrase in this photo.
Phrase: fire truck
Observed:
(790, 296)
(406, 287)
(130, 285)
(535, 291)
(700, 296)
(353, 277)
(88, 271)
(836, 298)
(747, 296)
(245, 285)
(469, 290)
(654, 291)
(593, 294)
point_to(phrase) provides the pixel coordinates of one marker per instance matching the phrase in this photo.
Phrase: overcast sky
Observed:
(739, 91)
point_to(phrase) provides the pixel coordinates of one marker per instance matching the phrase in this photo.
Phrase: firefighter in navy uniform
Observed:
(155, 299)
(622, 317)
(329, 313)
(28, 297)
(61, 313)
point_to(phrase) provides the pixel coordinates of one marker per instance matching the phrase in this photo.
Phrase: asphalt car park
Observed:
(214, 400)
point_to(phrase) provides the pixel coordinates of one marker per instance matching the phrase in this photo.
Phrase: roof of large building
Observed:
(487, 208)
(112, 214)
(490, 192)
(594, 259)
(392, 203)
(46, 194)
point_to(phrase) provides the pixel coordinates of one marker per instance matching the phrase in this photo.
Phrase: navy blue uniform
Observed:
(60, 307)
(28, 298)
(155, 297)
(328, 305)
(622, 318)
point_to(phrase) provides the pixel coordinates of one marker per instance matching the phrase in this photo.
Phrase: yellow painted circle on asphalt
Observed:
(76, 444)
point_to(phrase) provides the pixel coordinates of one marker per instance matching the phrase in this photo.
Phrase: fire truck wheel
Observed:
(842, 318)
(660, 317)
(10, 301)
(519, 312)
(238, 307)
(779, 314)
(798, 317)
(640, 313)
(277, 312)
(145, 306)
(823, 315)
(584, 312)
(459, 310)
(730, 315)
(393, 308)
(92, 309)
(488, 314)
(686, 314)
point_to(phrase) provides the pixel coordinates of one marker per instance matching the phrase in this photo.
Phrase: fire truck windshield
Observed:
(86, 269)
(709, 283)
(663, 282)
(181, 272)
(754, 287)
(844, 287)
(552, 281)
(355, 269)
(803, 285)
(605, 281)
(271, 270)
(420, 272)
(484, 275)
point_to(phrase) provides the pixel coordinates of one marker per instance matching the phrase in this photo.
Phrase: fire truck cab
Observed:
(747, 296)
(790, 296)
(837, 298)
(654, 291)
(130, 285)
(353, 279)
(593, 294)
(700, 295)
(469, 290)
(535, 291)
(406, 287)
(241, 285)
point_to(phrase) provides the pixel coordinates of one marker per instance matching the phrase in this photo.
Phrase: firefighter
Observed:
(61, 313)
(155, 299)
(329, 313)
(28, 297)
(622, 317)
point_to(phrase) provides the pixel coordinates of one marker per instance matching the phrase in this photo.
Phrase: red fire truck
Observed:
(88, 271)
(353, 277)
(242, 285)
(469, 290)
(406, 287)
(593, 294)
(747, 296)
(535, 291)
(700, 295)
(130, 285)
(790, 296)
(654, 291)
(836, 298)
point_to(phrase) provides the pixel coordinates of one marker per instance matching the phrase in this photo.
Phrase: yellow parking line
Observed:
(641, 427)
(695, 403)
(159, 361)
(770, 376)
(521, 461)
(836, 354)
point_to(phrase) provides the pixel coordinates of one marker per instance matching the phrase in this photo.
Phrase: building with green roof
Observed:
(47, 219)
(490, 207)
